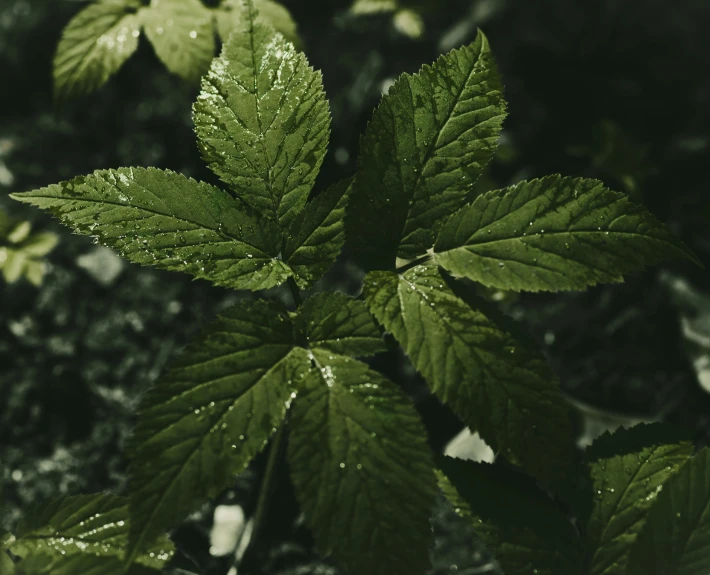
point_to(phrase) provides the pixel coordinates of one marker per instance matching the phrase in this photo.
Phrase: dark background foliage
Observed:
(613, 89)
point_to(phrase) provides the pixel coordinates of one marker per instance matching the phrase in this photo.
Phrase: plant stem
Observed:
(419, 261)
(294, 291)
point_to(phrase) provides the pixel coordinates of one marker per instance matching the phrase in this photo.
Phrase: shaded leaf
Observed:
(494, 382)
(553, 234)
(317, 234)
(361, 468)
(276, 15)
(427, 143)
(332, 321)
(94, 45)
(7, 567)
(82, 534)
(210, 414)
(628, 469)
(262, 121)
(182, 35)
(524, 529)
(676, 537)
(160, 218)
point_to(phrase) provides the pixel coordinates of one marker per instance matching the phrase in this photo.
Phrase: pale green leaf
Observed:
(555, 233)
(82, 534)
(334, 322)
(676, 537)
(262, 121)
(40, 244)
(360, 7)
(94, 45)
(13, 264)
(361, 468)
(19, 232)
(495, 382)
(276, 15)
(628, 469)
(163, 219)
(521, 525)
(210, 414)
(427, 143)
(182, 35)
(316, 235)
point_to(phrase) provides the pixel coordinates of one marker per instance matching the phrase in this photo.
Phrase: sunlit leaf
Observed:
(163, 219)
(262, 120)
(94, 45)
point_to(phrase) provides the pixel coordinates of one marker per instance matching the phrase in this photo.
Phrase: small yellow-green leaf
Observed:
(274, 14)
(94, 45)
(182, 34)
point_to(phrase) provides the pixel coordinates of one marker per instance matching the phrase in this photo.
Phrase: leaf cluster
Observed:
(21, 251)
(102, 36)
(358, 456)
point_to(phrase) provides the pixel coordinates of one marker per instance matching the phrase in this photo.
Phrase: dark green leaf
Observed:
(214, 410)
(520, 524)
(182, 34)
(262, 120)
(553, 234)
(676, 537)
(83, 534)
(628, 469)
(334, 322)
(427, 143)
(361, 468)
(276, 15)
(495, 383)
(94, 45)
(317, 234)
(160, 218)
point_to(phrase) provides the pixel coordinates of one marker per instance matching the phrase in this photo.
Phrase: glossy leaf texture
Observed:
(182, 35)
(332, 321)
(519, 522)
(82, 534)
(210, 414)
(262, 121)
(676, 537)
(317, 234)
(163, 219)
(361, 468)
(628, 469)
(229, 15)
(554, 233)
(94, 45)
(427, 143)
(496, 383)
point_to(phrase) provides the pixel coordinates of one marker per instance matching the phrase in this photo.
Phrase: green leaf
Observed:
(520, 524)
(7, 567)
(496, 383)
(182, 35)
(332, 321)
(317, 234)
(361, 468)
(553, 234)
(94, 45)
(206, 419)
(273, 14)
(262, 121)
(160, 218)
(427, 143)
(676, 537)
(628, 469)
(360, 7)
(82, 534)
